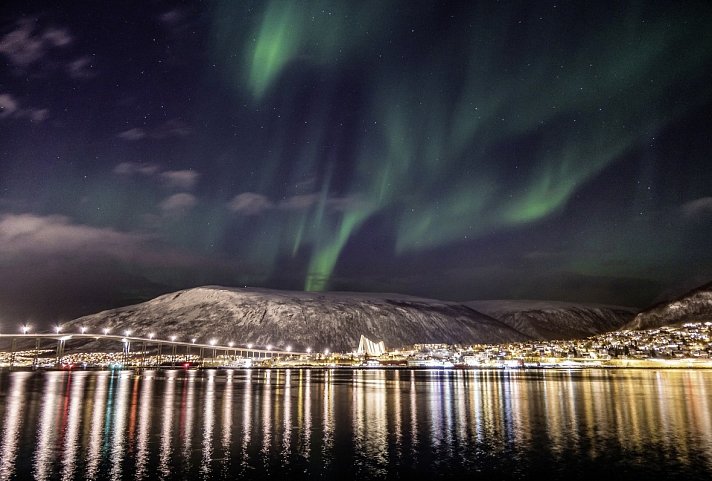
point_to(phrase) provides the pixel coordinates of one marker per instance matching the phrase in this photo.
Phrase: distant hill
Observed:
(555, 320)
(303, 319)
(336, 320)
(694, 306)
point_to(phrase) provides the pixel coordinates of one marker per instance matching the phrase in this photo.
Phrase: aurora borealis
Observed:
(456, 150)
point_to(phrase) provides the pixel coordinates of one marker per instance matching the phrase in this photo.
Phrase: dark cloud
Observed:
(250, 203)
(27, 44)
(177, 204)
(697, 208)
(133, 168)
(81, 68)
(180, 179)
(10, 109)
(29, 234)
(168, 129)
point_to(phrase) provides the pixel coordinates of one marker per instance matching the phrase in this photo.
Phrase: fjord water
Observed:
(356, 424)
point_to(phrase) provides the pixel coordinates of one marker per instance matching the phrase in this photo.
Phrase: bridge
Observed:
(139, 351)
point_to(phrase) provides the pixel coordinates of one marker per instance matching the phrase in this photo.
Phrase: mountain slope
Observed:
(555, 320)
(302, 319)
(695, 306)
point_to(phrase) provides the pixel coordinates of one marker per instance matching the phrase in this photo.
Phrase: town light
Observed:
(25, 329)
(193, 340)
(173, 338)
(150, 335)
(326, 352)
(230, 343)
(249, 346)
(213, 342)
(83, 329)
(269, 347)
(106, 331)
(289, 348)
(58, 329)
(127, 332)
(309, 349)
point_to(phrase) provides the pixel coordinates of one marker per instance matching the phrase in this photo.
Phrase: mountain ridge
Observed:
(323, 320)
(336, 320)
(693, 306)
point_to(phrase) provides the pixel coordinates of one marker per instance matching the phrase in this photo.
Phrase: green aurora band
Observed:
(437, 120)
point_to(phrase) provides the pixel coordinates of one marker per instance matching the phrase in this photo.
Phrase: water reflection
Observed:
(166, 425)
(144, 406)
(361, 424)
(11, 424)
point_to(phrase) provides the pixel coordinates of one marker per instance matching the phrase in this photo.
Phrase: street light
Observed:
(83, 329)
(289, 348)
(326, 352)
(212, 343)
(106, 331)
(249, 346)
(230, 343)
(127, 332)
(58, 329)
(193, 340)
(25, 329)
(309, 350)
(173, 351)
(150, 335)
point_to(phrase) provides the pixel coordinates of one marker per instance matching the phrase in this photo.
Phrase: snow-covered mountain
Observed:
(302, 319)
(695, 306)
(555, 320)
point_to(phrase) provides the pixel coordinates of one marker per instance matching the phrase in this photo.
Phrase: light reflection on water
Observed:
(356, 424)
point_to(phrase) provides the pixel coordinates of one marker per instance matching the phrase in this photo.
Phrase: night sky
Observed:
(455, 150)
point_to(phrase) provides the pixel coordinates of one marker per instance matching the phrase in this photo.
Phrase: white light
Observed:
(308, 350)
(106, 331)
(193, 340)
(127, 332)
(84, 329)
(173, 338)
(25, 329)
(150, 336)
(58, 329)
(289, 348)
(249, 346)
(326, 352)
(269, 347)
(213, 342)
(230, 343)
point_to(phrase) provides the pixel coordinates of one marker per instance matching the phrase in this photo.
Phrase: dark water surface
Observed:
(356, 424)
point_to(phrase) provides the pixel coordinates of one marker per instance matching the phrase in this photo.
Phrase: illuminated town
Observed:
(685, 346)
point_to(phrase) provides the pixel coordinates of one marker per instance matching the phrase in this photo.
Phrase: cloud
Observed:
(30, 234)
(172, 17)
(250, 203)
(174, 179)
(10, 108)
(8, 105)
(80, 68)
(171, 128)
(178, 203)
(299, 202)
(133, 168)
(697, 208)
(25, 45)
(180, 179)
(168, 129)
(132, 134)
